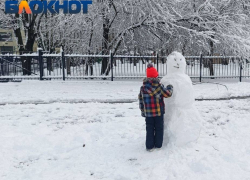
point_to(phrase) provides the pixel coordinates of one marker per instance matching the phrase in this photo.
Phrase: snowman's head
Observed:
(176, 63)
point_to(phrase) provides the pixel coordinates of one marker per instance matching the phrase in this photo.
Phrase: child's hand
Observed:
(170, 87)
(167, 92)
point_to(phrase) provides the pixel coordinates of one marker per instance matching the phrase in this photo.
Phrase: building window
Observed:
(5, 36)
(6, 49)
(3, 25)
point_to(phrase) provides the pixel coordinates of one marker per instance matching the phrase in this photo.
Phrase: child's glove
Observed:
(170, 87)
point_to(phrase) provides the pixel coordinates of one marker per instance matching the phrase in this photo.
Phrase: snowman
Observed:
(182, 120)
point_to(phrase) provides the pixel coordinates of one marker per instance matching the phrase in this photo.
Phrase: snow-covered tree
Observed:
(140, 26)
(30, 24)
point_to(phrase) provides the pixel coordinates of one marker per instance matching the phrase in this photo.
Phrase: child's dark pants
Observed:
(154, 127)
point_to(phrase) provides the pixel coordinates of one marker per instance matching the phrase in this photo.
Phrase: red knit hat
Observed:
(151, 71)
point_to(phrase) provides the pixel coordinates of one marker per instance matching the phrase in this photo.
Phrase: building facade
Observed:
(8, 41)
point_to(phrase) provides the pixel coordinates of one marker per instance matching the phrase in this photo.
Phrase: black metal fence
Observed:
(13, 66)
(74, 66)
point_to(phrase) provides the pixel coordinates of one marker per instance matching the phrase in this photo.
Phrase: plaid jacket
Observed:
(151, 97)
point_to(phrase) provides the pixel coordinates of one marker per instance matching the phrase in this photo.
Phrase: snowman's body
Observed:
(182, 120)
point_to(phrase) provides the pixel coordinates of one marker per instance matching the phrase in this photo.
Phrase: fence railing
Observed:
(43, 66)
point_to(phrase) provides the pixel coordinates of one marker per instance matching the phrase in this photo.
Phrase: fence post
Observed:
(111, 65)
(1, 67)
(200, 67)
(63, 63)
(40, 59)
(241, 60)
(157, 61)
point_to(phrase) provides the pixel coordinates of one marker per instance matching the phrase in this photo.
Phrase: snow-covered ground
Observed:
(107, 141)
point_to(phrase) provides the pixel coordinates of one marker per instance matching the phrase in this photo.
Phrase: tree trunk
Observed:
(68, 66)
(210, 64)
(29, 49)
(105, 50)
(49, 63)
(87, 67)
(18, 34)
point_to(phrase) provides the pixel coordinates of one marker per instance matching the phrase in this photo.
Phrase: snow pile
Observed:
(183, 122)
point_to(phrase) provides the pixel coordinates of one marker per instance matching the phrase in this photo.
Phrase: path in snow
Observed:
(37, 92)
(116, 101)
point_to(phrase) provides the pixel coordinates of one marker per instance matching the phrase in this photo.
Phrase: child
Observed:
(153, 108)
